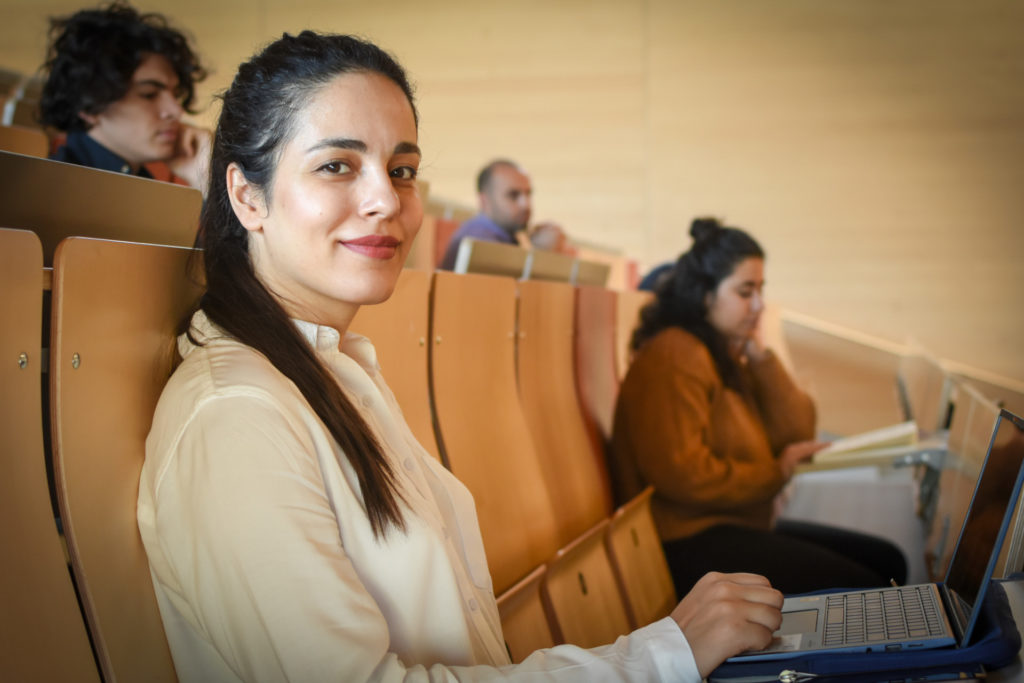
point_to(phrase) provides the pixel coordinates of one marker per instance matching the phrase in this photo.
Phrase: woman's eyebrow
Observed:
(339, 143)
(408, 148)
(360, 146)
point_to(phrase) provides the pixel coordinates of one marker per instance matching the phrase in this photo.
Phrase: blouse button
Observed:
(473, 604)
(409, 464)
(367, 401)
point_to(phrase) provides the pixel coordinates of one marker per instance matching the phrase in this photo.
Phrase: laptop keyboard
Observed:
(886, 614)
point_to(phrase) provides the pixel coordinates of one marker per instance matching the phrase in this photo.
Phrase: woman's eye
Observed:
(335, 167)
(404, 173)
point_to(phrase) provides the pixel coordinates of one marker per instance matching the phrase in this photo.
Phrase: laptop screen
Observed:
(988, 517)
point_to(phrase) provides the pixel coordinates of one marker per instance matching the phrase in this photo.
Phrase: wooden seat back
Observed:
(42, 633)
(596, 375)
(639, 562)
(585, 606)
(628, 304)
(524, 623)
(93, 203)
(116, 307)
(851, 378)
(24, 140)
(926, 388)
(482, 432)
(399, 329)
(574, 471)
(490, 258)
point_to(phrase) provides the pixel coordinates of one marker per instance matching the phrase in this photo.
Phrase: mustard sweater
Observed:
(709, 451)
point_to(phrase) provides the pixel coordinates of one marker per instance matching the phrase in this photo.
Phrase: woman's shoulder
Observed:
(223, 367)
(672, 352)
(676, 342)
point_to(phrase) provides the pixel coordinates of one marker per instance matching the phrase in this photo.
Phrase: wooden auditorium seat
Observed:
(639, 562)
(42, 632)
(524, 621)
(482, 432)
(20, 110)
(591, 273)
(399, 329)
(116, 306)
(23, 140)
(581, 594)
(444, 228)
(628, 304)
(490, 258)
(851, 376)
(596, 376)
(93, 203)
(574, 471)
(550, 266)
(926, 389)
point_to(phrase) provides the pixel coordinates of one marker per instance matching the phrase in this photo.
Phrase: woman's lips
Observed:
(374, 246)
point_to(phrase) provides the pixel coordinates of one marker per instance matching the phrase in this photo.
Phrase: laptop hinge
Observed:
(955, 613)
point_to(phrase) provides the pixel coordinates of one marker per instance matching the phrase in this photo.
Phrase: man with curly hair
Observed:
(118, 83)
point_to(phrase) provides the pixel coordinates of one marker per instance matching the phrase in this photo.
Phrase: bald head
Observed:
(505, 195)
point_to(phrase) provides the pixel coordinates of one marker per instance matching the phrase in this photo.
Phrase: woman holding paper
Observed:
(708, 416)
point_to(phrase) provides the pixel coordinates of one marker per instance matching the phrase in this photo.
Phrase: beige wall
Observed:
(875, 147)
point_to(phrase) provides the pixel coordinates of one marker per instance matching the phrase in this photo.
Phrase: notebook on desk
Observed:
(922, 616)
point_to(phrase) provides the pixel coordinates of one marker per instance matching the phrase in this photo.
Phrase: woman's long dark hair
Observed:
(257, 120)
(681, 299)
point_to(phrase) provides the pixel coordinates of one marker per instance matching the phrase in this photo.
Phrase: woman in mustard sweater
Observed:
(708, 416)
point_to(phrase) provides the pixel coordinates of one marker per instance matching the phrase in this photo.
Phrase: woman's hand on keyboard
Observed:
(725, 614)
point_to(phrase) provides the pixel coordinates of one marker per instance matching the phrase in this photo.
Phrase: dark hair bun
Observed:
(704, 228)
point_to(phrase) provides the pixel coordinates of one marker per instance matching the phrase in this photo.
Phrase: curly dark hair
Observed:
(681, 298)
(93, 54)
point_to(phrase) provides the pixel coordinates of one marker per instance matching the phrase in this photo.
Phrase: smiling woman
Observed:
(295, 529)
(343, 211)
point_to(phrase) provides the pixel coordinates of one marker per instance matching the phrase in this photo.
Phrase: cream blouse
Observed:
(263, 561)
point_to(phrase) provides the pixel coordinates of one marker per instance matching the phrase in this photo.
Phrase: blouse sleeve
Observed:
(671, 424)
(787, 411)
(258, 569)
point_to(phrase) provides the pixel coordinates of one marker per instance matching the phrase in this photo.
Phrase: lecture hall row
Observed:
(540, 360)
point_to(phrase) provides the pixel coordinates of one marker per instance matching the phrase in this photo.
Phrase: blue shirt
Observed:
(82, 150)
(478, 227)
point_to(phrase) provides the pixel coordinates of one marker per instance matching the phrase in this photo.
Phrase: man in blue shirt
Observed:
(505, 194)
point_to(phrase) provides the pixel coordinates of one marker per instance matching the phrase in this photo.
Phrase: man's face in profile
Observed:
(506, 199)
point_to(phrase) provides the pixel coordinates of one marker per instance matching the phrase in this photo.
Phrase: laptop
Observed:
(922, 616)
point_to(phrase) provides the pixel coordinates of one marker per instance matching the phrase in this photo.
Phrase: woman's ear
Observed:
(246, 199)
(90, 119)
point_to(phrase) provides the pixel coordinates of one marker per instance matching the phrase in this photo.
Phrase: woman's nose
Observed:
(379, 197)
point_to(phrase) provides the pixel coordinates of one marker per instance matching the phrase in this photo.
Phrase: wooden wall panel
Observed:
(873, 147)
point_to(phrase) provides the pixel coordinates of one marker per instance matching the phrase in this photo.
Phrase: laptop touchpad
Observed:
(804, 621)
